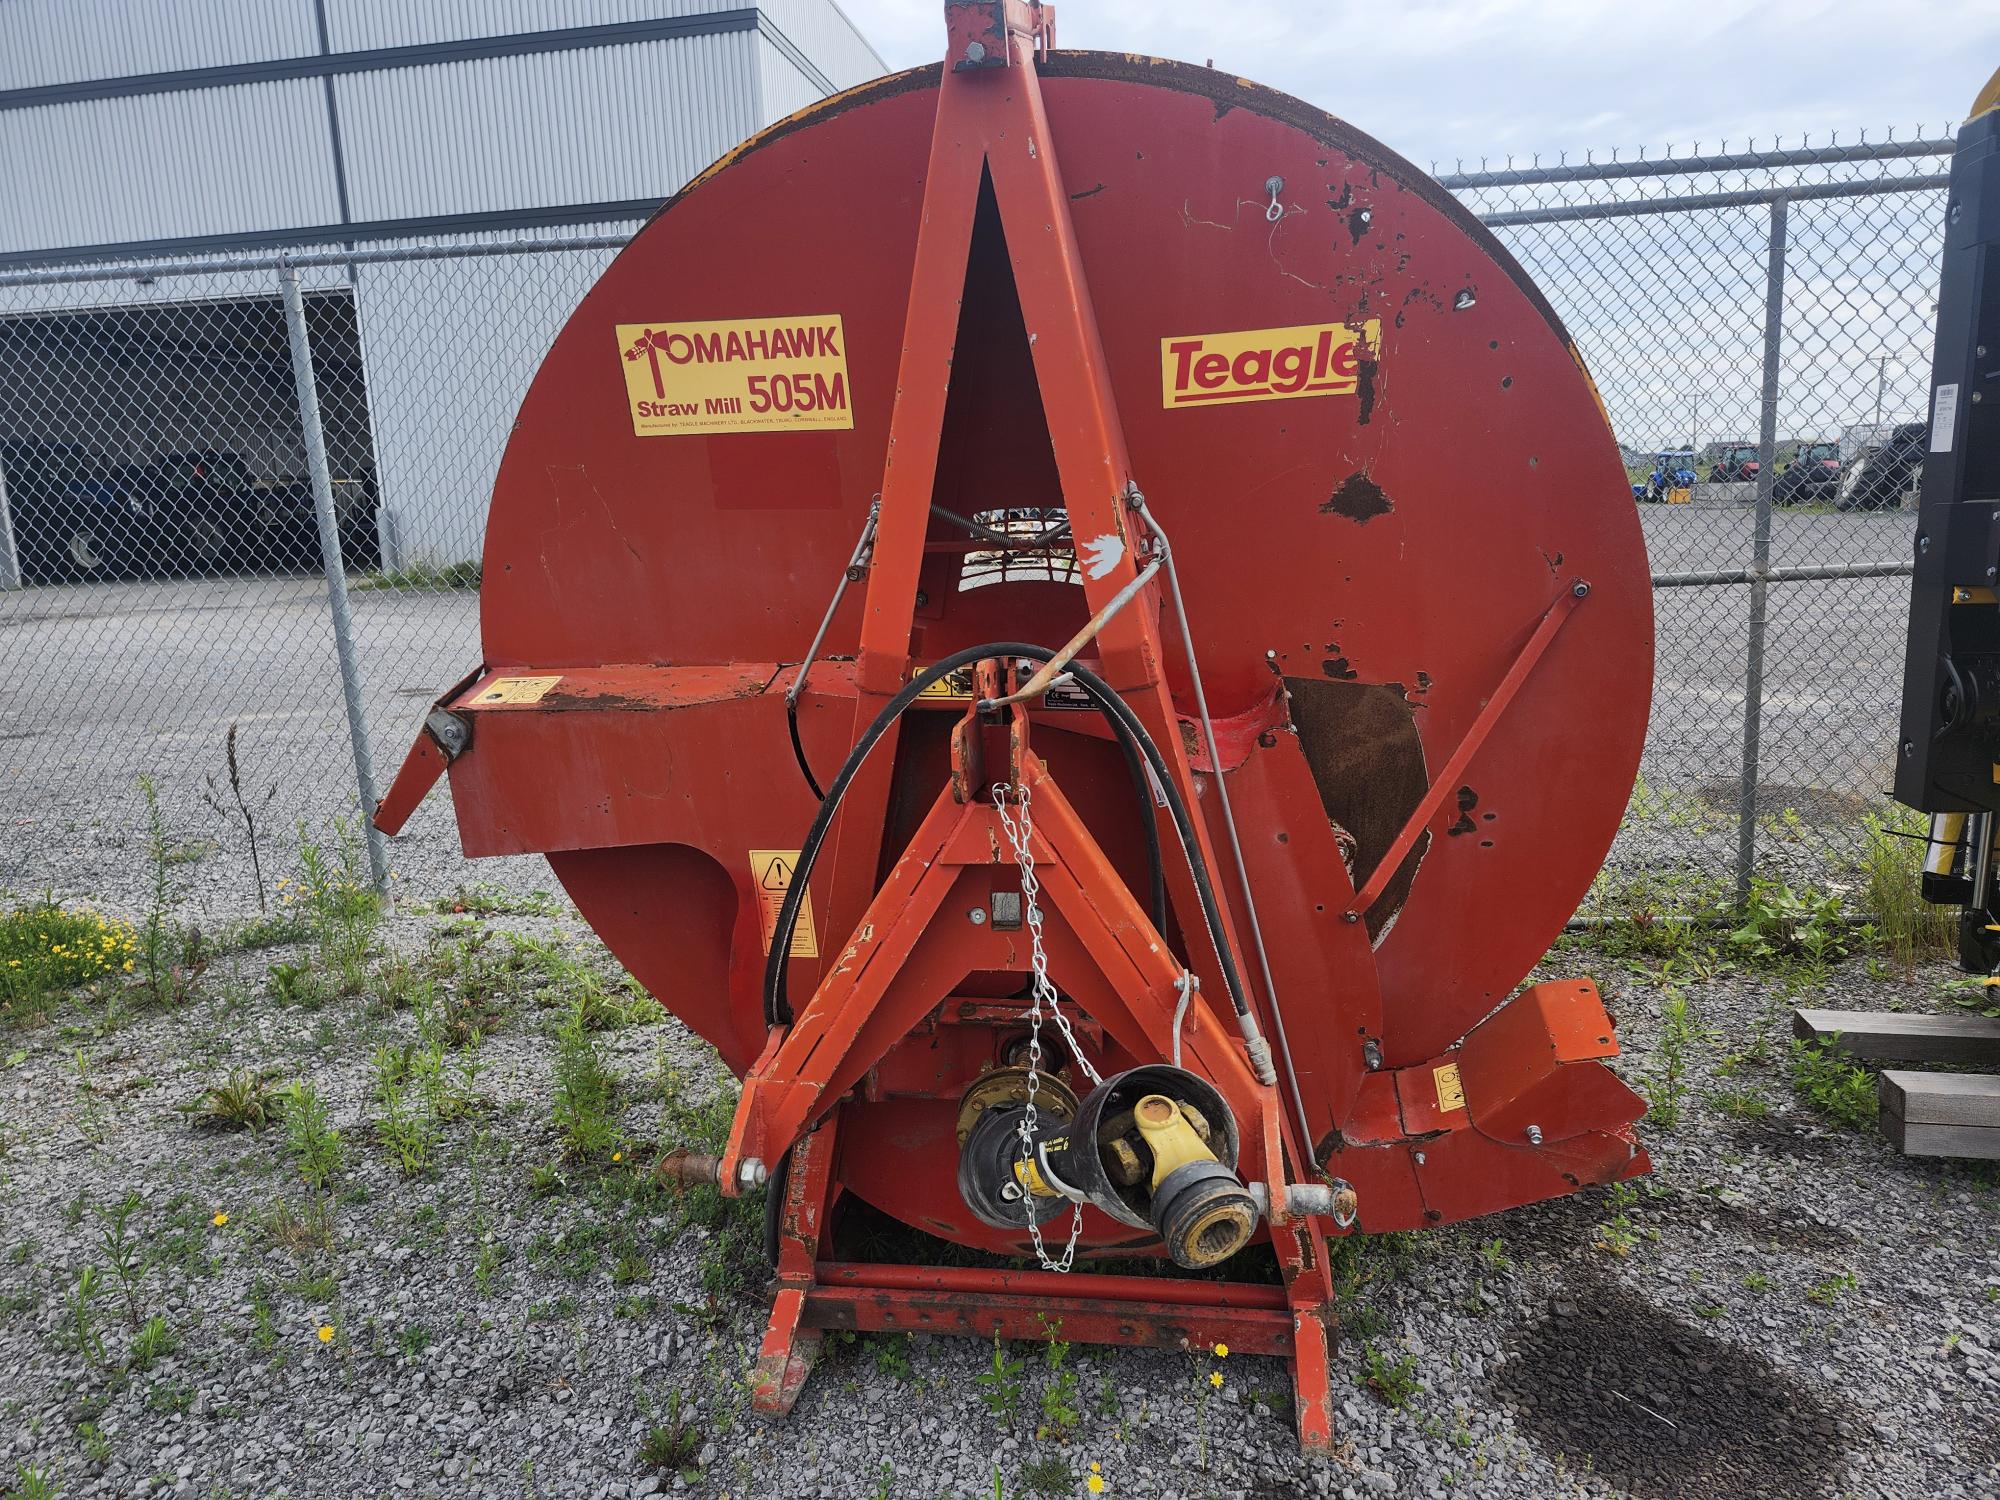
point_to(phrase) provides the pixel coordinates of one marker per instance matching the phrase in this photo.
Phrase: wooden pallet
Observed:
(1923, 1114)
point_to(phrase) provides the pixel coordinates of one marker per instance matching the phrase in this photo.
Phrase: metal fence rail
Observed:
(249, 489)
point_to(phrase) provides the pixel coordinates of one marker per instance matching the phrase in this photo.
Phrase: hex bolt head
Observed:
(1534, 1135)
(977, 916)
(751, 1172)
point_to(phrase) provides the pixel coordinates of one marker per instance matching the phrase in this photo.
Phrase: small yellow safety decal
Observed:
(953, 687)
(771, 873)
(516, 689)
(1451, 1093)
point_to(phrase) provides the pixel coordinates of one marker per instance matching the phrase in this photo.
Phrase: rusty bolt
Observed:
(689, 1168)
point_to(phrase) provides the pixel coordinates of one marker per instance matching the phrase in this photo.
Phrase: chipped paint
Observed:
(1359, 498)
(1101, 554)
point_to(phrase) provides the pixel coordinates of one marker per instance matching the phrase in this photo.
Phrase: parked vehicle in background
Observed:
(1811, 478)
(1738, 465)
(1878, 480)
(1672, 479)
(79, 520)
(287, 524)
(69, 519)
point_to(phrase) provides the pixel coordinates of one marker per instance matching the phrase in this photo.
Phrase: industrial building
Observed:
(148, 134)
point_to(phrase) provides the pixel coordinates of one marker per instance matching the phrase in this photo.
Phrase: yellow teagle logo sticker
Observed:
(1266, 364)
(749, 375)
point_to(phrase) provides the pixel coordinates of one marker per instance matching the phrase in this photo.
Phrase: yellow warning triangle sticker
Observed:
(777, 875)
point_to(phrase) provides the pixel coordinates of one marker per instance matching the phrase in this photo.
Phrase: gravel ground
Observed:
(1784, 1308)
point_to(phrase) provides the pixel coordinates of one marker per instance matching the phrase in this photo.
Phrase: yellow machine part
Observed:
(1169, 1136)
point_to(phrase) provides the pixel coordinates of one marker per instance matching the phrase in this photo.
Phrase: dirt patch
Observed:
(1811, 803)
(1665, 1409)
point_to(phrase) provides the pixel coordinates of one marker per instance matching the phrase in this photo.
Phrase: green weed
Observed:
(586, 1091)
(1826, 1080)
(1394, 1381)
(154, 1341)
(999, 1384)
(309, 1135)
(1892, 863)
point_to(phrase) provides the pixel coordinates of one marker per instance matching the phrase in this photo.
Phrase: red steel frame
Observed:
(991, 125)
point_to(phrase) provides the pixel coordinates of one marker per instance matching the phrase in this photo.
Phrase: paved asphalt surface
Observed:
(108, 682)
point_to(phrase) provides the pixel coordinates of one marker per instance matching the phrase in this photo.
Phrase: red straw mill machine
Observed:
(1238, 654)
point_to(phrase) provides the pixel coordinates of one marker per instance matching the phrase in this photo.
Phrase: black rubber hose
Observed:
(799, 749)
(1142, 787)
(777, 1007)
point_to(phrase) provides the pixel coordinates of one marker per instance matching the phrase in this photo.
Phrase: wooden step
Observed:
(1892, 1036)
(1942, 1114)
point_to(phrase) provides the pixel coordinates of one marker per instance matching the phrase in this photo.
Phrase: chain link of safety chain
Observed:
(1018, 828)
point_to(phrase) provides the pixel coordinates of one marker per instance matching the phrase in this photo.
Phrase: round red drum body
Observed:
(1382, 527)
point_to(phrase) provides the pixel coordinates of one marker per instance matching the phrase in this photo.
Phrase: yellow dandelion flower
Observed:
(1095, 1484)
(618, 1156)
(219, 1220)
(326, 1333)
(1222, 1351)
(1216, 1380)
(1096, 1467)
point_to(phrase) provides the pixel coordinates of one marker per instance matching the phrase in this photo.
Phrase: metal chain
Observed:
(1041, 990)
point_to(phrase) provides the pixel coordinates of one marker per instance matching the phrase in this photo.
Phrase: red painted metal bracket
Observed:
(1447, 780)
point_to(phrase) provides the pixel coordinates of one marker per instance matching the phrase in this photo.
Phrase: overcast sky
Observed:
(1441, 79)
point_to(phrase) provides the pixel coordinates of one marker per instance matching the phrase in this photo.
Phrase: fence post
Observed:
(336, 575)
(1760, 567)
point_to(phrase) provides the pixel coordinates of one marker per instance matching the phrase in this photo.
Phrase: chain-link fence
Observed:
(1759, 326)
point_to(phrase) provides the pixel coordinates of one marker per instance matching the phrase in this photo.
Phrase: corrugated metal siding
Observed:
(355, 25)
(67, 41)
(567, 127)
(781, 88)
(160, 165)
(822, 31)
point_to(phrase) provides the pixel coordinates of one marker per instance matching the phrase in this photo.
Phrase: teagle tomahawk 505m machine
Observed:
(1239, 652)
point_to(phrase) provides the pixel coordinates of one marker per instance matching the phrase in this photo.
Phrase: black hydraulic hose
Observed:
(1005, 539)
(777, 1007)
(1204, 885)
(799, 749)
(1156, 904)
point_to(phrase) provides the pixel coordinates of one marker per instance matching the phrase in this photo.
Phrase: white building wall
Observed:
(45, 42)
(592, 126)
(355, 25)
(159, 166)
(781, 87)
(449, 347)
(829, 40)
